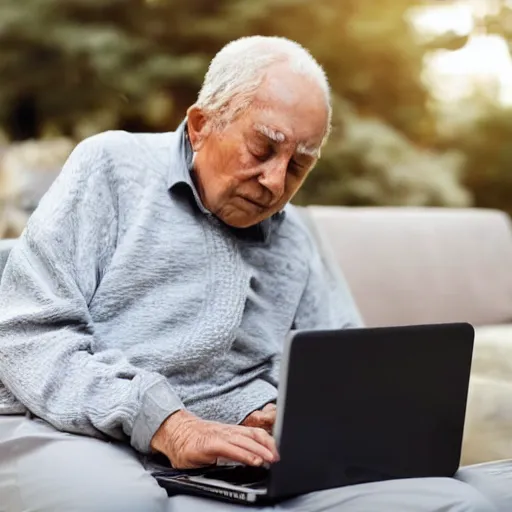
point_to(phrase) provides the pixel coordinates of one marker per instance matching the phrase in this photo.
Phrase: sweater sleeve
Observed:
(327, 302)
(48, 356)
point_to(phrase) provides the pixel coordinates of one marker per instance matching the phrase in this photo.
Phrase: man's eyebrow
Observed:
(270, 133)
(279, 137)
(304, 149)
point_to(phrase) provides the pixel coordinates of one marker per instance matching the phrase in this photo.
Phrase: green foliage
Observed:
(75, 67)
(488, 169)
(367, 162)
(75, 57)
(71, 58)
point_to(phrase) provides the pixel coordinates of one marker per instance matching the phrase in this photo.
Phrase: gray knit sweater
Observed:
(123, 301)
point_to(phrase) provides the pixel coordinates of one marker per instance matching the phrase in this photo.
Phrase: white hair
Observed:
(239, 68)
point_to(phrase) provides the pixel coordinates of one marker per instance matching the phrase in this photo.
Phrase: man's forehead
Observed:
(278, 136)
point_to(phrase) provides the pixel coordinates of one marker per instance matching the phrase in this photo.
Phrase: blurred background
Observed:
(422, 89)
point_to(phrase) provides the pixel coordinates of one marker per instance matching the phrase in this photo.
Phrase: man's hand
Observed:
(190, 442)
(264, 419)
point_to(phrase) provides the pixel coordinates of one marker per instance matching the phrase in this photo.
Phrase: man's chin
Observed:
(243, 213)
(239, 223)
(242, 221)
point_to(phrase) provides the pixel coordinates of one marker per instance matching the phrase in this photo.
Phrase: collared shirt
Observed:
(182, 176)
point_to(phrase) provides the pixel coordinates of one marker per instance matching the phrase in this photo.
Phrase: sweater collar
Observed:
(181, 175)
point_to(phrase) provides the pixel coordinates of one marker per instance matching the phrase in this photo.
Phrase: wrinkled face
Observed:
(249, 169)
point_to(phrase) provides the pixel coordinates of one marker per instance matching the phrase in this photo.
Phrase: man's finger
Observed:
(235, 453)
(268, 416)
(253, 420)
(265, 420)
(253, 445)
(236, 450)
(258, 416)
(264, 438)
(270, 408)
(270, 411)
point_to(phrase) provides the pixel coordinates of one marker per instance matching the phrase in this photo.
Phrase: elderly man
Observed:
(144, 306)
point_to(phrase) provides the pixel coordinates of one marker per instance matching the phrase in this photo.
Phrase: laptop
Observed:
(354, 406)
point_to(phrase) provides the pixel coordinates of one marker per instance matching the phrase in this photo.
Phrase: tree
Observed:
(81, 66)
(369, 163)
(62, 60)
(487, 172)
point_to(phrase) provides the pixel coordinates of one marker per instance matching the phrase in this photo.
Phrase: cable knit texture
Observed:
(122, 302)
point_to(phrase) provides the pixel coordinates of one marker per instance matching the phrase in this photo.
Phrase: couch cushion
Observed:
(423, 265)
(493, 352)
(488, 430)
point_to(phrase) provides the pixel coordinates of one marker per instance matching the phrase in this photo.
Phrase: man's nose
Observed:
(273, 178)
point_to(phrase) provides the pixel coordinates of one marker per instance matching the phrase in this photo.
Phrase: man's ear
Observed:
(198, 127)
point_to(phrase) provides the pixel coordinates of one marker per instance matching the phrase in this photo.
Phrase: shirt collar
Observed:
(181, 175)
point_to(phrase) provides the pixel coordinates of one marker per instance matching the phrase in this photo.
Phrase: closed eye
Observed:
(263, 156)
(295, 167)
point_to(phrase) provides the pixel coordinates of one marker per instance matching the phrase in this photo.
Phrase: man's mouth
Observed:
(255, 203)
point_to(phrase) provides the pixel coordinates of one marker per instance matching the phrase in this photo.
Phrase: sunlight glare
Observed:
(484, 62)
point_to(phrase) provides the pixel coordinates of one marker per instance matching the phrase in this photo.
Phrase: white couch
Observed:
(428, 265)
(423, 265)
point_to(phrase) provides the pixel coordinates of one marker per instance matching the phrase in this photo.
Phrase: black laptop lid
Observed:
(364, 405)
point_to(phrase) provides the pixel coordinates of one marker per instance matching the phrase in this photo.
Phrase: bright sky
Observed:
(483, 61)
